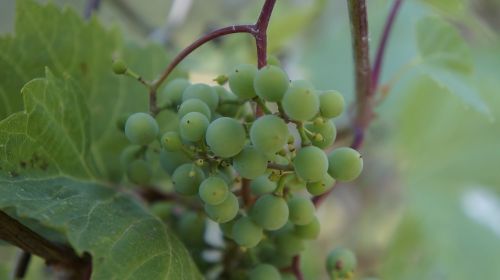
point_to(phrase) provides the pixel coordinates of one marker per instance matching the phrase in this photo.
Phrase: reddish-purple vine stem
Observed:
(296, 268)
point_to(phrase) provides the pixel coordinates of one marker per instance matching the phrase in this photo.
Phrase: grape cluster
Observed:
(253, 173)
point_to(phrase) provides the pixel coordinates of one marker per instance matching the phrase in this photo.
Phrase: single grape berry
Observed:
(289, 244)
(194, 105)
(226, 137)
(169, 161)
(141, 128)
(320, 187)
(119, 67)
(331, 104)
(327, 131)
(193, 126)
(129, 154)
(269, 134)
(271, 83)
(264, 272)
(300, 102)
(309, 231)
(270, 212)
(191, 228)
(187, 179)
(139, 172)
(225, 211)
(227, 228)
(171, 141)
(301, 210)
(250, 163)
(203, 92)
(311, 164)
(213, 190)
(172, 92)
(273, 60)
(345, 164)
(341, 263)
(241, 81)
(229, 106)
(246, 233)
(262, 185)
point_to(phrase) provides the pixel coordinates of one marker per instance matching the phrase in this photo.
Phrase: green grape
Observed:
(300, 102)
(129, 154)
(345, 164)
(227, 174)
(273, 60)
(193, 126)
(308, 231)
(187, 178)
(327, 131)
(331, 104)
(341, 263)
(262, 185)
(241, 81)
(301, 210)
(270, 212)
(171, 141)
(320, 187)
(294, 183)
(271, 83)
(141, 128)
(169, 161)
(213, 190)
(311, 164)
(191, 228)
(172, 93)
(227, 228)
(289, 244)
(224, 212)
(203, 92)
(228, 102)
(269, 134)
(162, 210)
(250, 163)
(139, 172)
(226, 137)
(246, 233)
(119, 67)
(194, 105)
(264, 272)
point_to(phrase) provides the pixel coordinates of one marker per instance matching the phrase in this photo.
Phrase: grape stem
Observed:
(22, 264)
(296, 268)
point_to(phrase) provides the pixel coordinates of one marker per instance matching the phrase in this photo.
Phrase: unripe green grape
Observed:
(187, 178)
(250, 163)
(227, 228)
(300, 102)
(262, 185)
(341, 263)
(301, 210)
(331, 104)
(273, 60)
(289, 244)
(228, 102)
(193, 126)
(328, 132)
(162, 210)
(191, 228)
(241, 81)
(226, 137)
(203, 92)
(345, 164)
(129, 154)
(271, 83)
(264, 272)
(269, 134)
(311, 164)
(141, 128)
(194, 105)
(139, 172)
(246, 233)
(308, 231)
(224, 212)
(213, 190)
(172, 92)
(270, 212)
(294, 183)
(169, 161)
(171, 141)
(119, 67)
(320, 187)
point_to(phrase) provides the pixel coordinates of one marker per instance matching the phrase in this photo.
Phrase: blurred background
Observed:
(428, 203)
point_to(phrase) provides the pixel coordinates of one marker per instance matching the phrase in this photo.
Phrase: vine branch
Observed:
(22, 263)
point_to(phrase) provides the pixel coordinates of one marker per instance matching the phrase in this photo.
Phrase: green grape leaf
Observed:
(454, 7)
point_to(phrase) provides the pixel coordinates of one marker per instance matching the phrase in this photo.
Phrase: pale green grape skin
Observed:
(341, 263)
(192, 126)
(227, 228)
(250, 163)
(270, 212)
(300, 102)
(311, 164)
(226, 137)
(269, 134)
(172, 93)
(141, 128)
(289, 244)
(271, 83)
(331, 104)
(264, 272)
(241, 81)
(262, 185)
(309, 231)
(224, 212)
(187, 179)
(129, 154)
(294, 183)
(246, 233)
(227, 106)
(169, 161)
(191, 228)
(213, 190)
(301, 210)
(194, 105)
(273, 60)
(139, 172)
(162, 210)
(328, 132)
(119, 67)
(320, 187)
(203, 92)
(345, 164)
(171, 141)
